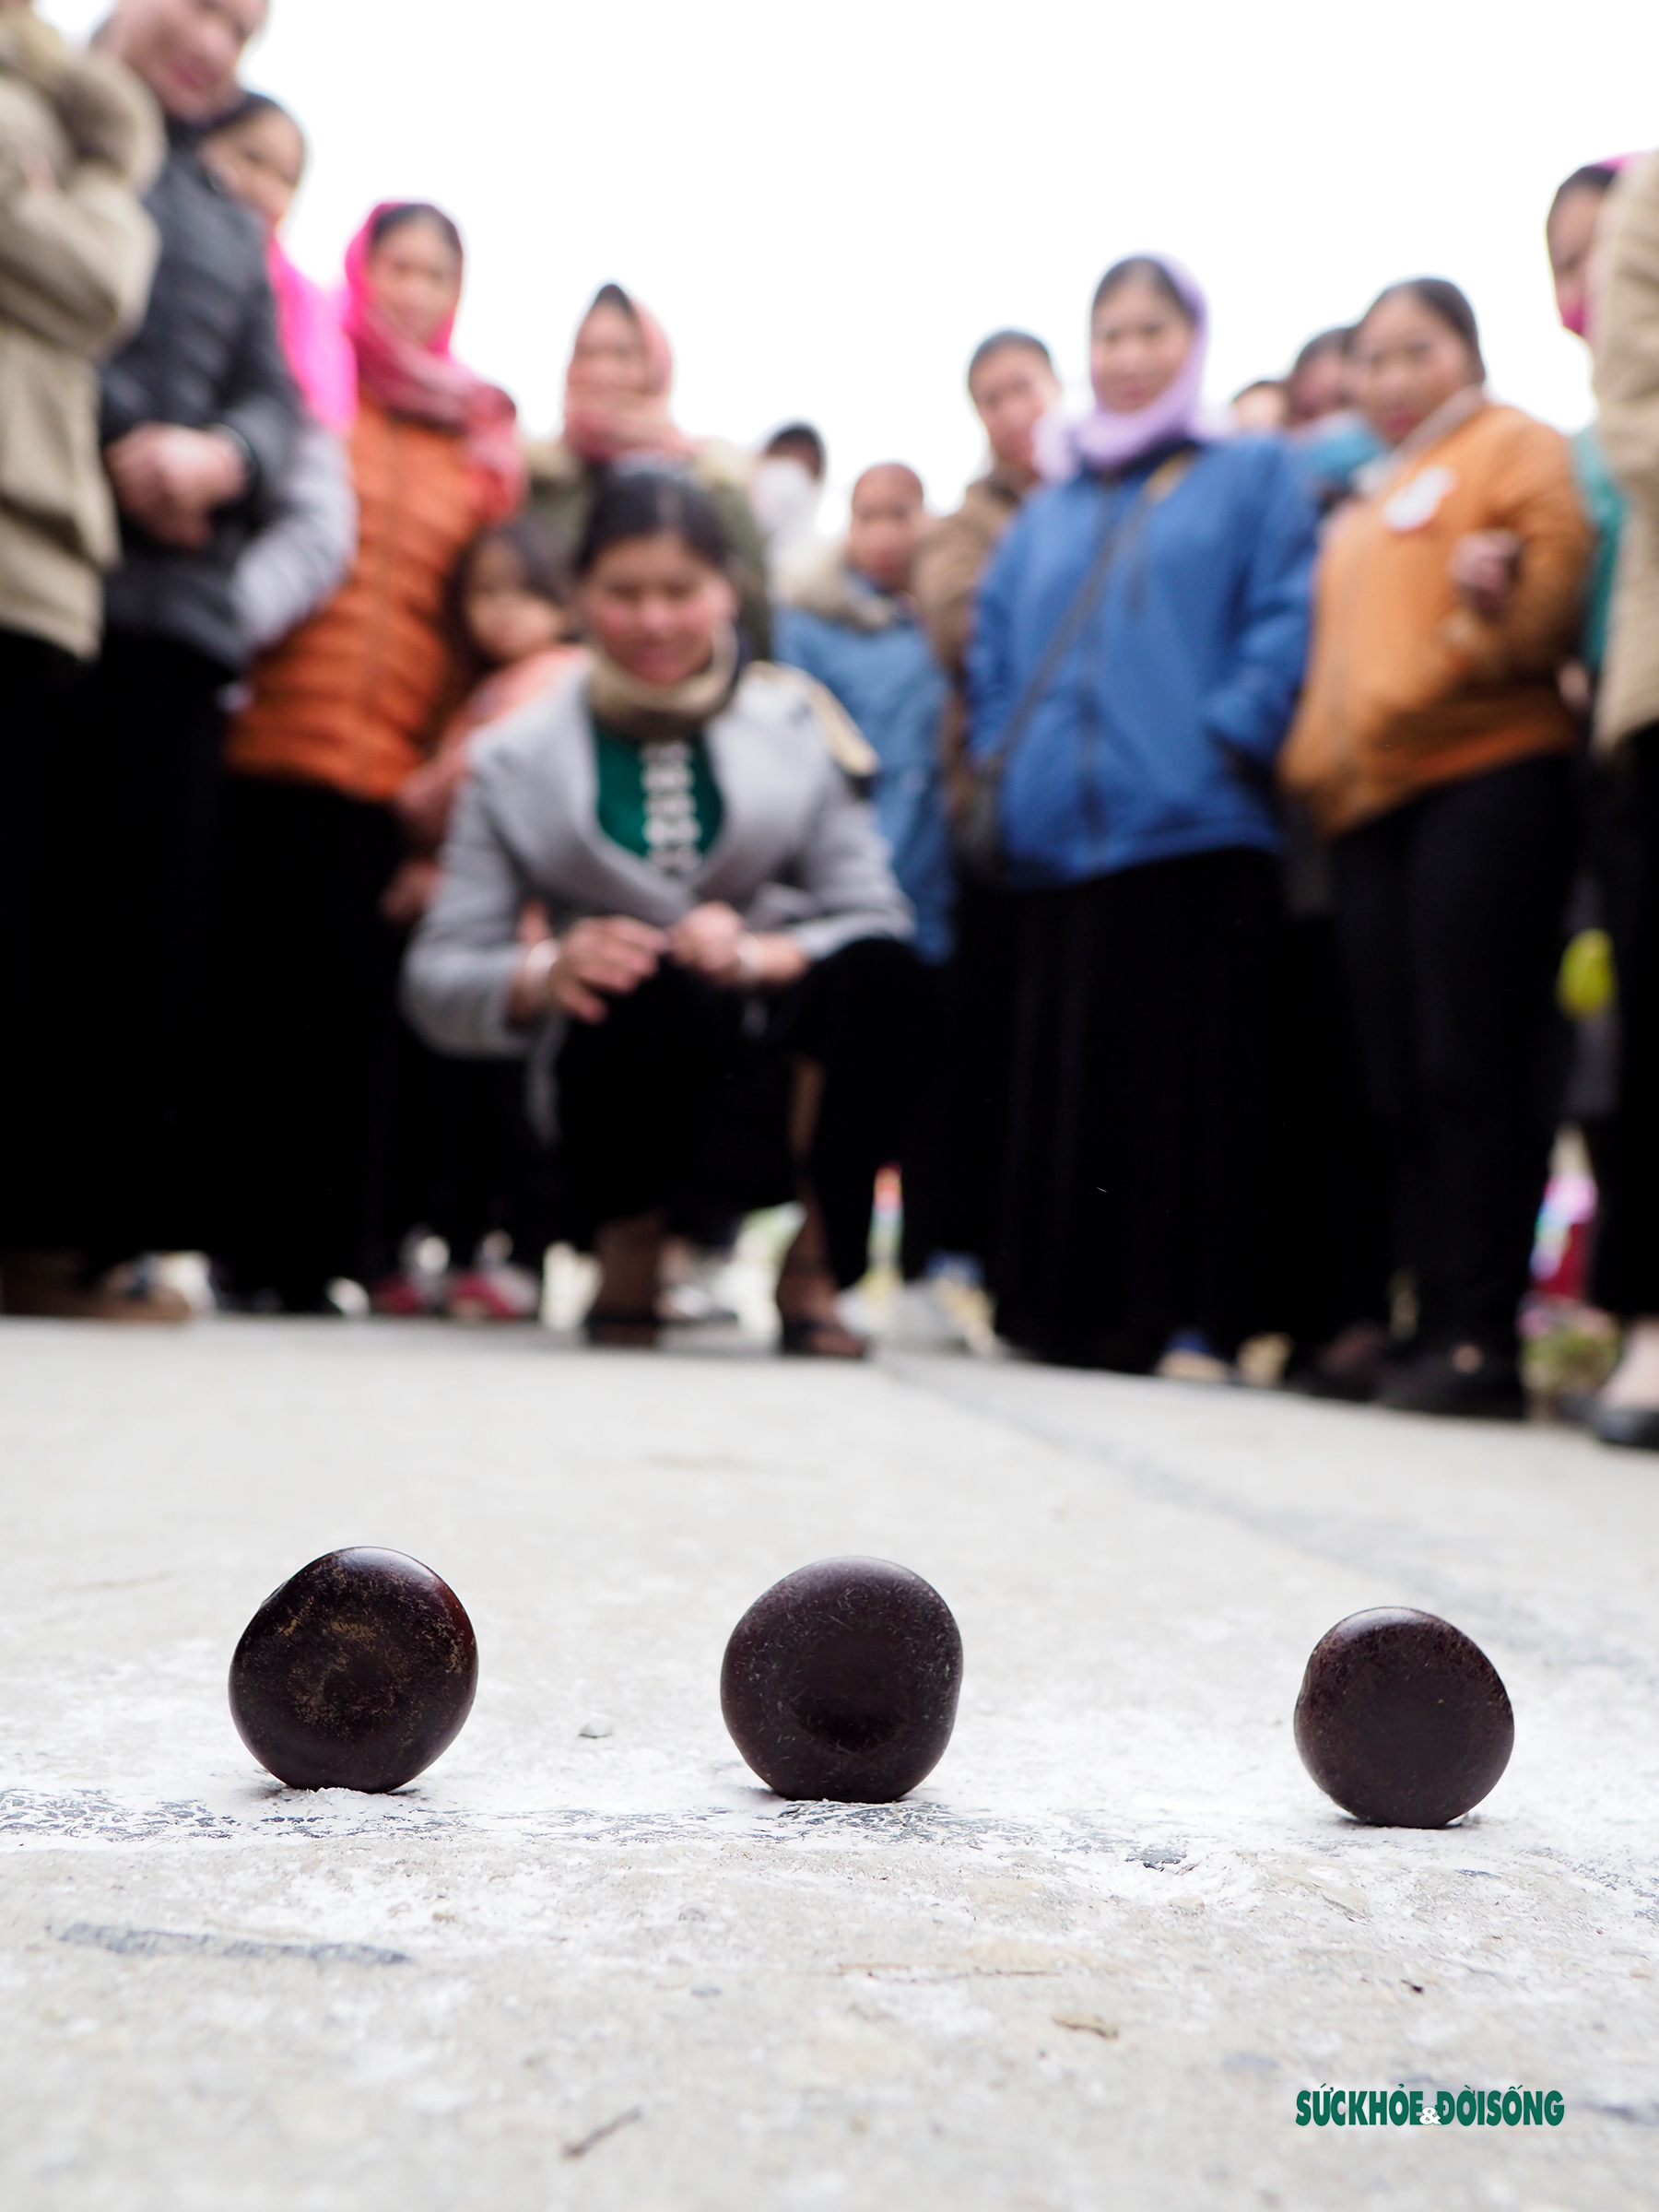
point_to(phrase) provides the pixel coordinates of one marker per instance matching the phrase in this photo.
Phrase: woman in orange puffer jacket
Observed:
(342, 711)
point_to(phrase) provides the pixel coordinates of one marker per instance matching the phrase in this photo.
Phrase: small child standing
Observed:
(464, 1158)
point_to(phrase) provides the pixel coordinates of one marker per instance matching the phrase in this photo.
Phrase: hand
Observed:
(712, 941)
(424, 801)
(169, 480)
(1485, 564)
(611, 953)
(708, 942)
(411, 890)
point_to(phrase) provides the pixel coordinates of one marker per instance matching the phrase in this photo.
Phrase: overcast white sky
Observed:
(829, 206)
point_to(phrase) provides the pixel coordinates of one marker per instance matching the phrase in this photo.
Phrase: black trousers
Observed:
(1626, 1252)
(1448, 912)
(1329, 1247)
(679, 1099)
(954, 1152)
(306, 969)
(33, 677)
(129, 852)
(462, 1160)
(1132, 1196)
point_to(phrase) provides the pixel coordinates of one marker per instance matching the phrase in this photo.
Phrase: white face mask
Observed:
(784, 496)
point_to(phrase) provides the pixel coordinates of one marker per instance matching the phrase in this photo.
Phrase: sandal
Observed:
(622, 1332)
(815, 1335)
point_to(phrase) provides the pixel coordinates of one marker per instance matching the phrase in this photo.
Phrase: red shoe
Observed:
(496, 1291)
(406, 1296)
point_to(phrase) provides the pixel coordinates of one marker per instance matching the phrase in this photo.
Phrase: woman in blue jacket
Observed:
(1137, 653)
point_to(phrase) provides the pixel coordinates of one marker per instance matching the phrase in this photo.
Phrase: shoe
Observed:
(1189, 1357)
(49, 1286)
(495, 1291)
(407, 1294)
(819, 1338)
(1465, 1383)
(920, 1321)
(1636, 1428)
(621, 1331)
(1351, 1369)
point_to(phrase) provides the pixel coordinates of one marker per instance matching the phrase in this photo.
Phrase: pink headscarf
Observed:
(600, 424)
(308, 322)
(426, 382)
(1105, 440)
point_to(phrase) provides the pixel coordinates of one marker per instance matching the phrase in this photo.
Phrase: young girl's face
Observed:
(505, 619)
(259, 162)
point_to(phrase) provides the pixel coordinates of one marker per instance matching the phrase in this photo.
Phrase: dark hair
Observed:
(249, 109)
(1336, 340)
(544, 560)
(404, 212)
(1003, 341)
(612, 295)
(653, 502)
(803, 438)
(1441, 299)
(1140, 268)
(1598, 177)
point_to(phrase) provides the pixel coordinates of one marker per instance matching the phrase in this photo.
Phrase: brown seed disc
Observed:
(1402, 1719)
(355, 1675)
(841, 1681)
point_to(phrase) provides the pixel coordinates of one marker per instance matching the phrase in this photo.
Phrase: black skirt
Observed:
(1133, 1196)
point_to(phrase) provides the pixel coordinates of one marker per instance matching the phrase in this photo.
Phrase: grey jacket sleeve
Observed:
(459, 969)
(260, 403)
(843, 870)
(301, 556)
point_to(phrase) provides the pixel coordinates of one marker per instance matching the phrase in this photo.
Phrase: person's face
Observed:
(415, 279)
(505, 619)
(888, 521)
(1012, 392)
(1320, 389)
(1571, 237)
(186, 51)
(1405, 363)
(656, 608)
(1137, 344)
(1262, 409)
(259, 162)
(609, 355)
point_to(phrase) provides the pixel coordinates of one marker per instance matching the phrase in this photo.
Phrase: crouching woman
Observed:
(725, 997)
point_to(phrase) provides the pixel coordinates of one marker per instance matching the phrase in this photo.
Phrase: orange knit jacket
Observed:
(1406, 687)
(355, 698)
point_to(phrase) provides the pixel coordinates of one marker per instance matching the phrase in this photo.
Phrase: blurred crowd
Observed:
(1212, 866)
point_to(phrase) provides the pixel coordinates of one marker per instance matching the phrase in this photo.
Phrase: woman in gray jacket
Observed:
(724, 999)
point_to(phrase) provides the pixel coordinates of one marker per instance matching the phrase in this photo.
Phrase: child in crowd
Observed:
(465, 1158)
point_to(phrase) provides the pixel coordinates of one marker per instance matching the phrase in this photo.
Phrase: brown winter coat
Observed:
(75, 271)
(1627, 385)
(355, 697)
(1407, 689)
(949, 566)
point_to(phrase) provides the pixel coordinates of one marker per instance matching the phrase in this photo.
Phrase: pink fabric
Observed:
(427, 384)
(1103, 441)
(601, 425)
(308, 321)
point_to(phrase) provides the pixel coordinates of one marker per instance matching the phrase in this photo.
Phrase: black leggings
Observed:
(1449, 914)
(679, 1099)
(1627, 1255)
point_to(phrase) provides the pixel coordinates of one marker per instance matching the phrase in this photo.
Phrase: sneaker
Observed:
(1465, 1383)
(1352, 1367)
(495, 1291)
(1189, 1357)
(49, 1286)
(407, 1294)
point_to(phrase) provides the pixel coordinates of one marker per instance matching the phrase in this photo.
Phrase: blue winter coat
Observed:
(877, 661)
(1157, 735)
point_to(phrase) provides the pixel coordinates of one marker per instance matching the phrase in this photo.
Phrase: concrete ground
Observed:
(587, 1962)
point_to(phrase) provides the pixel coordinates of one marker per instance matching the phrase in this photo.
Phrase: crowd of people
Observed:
(411, 829)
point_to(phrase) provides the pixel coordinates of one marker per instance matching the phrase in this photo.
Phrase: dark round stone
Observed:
(1402, 1719)
(841, 1681)
(356, 1675)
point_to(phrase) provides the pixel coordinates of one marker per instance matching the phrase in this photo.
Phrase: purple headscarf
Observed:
(1105, 440)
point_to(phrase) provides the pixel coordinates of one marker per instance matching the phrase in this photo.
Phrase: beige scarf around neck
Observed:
(651, 712)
